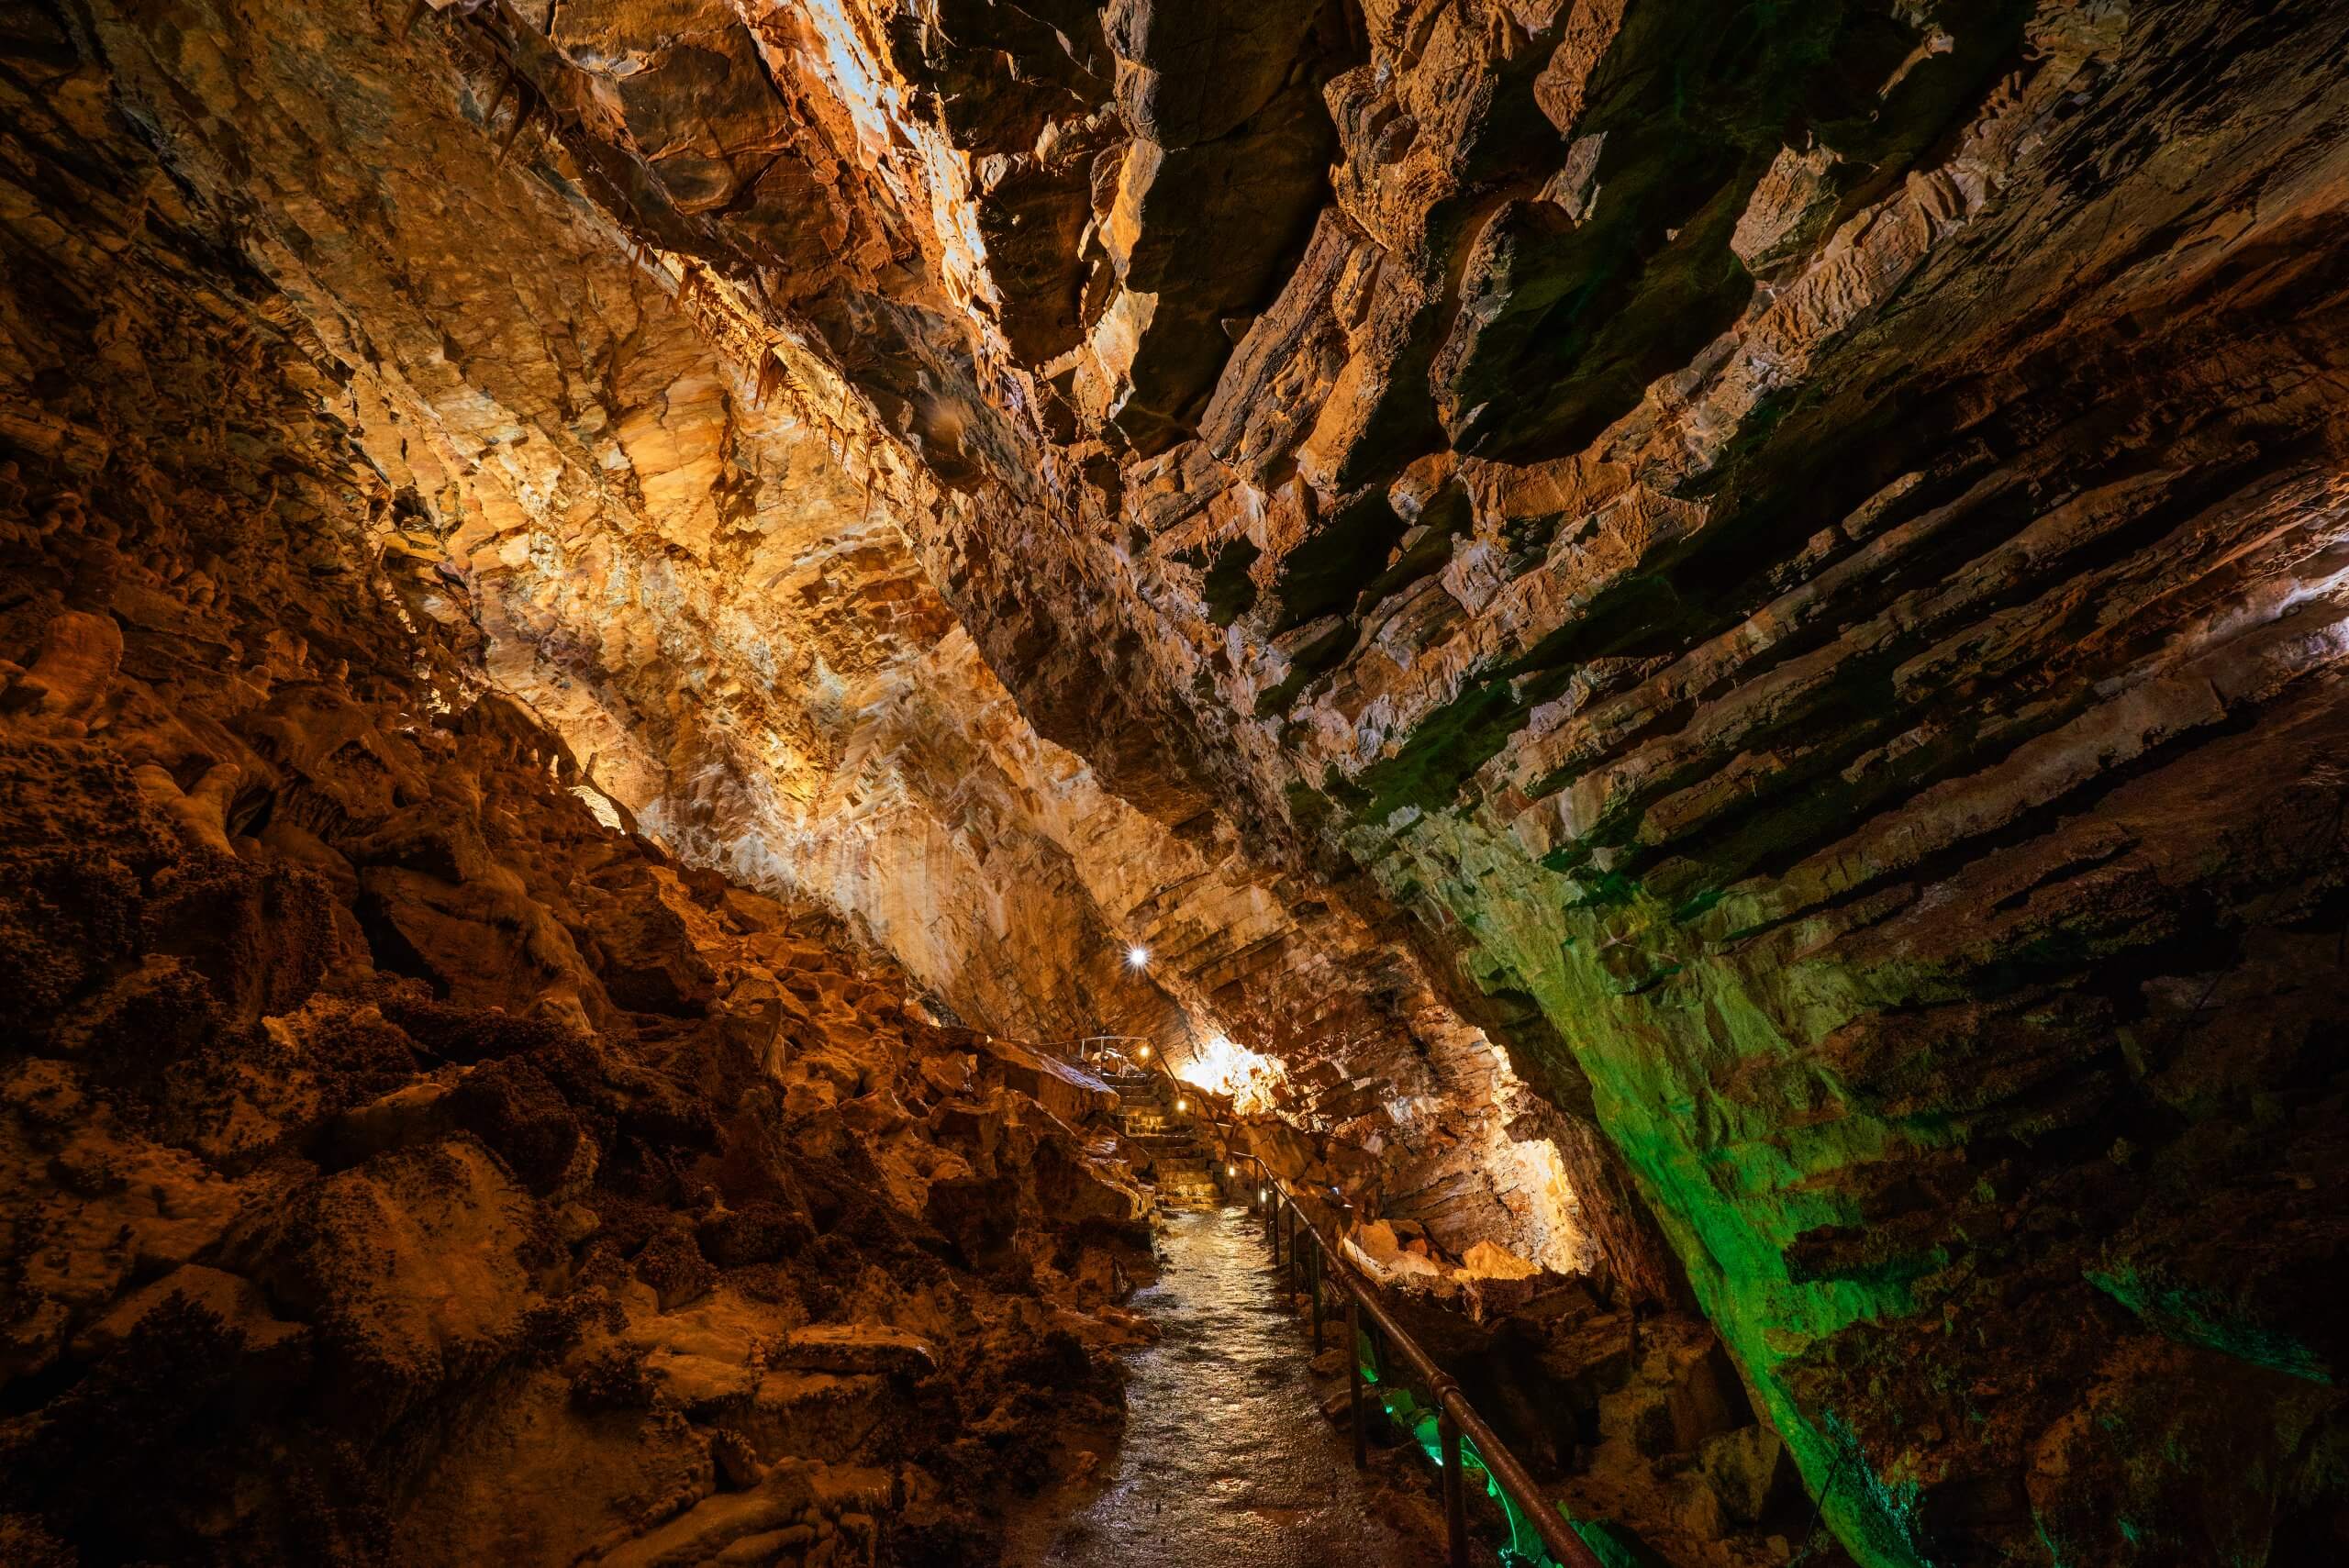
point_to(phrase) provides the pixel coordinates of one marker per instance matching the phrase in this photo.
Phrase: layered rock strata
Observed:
(1808, 546)
(1804, 545)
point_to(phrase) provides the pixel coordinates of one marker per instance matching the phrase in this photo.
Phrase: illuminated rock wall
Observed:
(690, 561)
(1783, 566)
(397, 1165)
(1808, 547)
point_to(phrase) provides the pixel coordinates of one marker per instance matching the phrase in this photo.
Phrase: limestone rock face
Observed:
(1721, 626)
(397, 1165)
(1809, 550)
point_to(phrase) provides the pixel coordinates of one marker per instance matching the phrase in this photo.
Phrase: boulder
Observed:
(232, 1298)
(413, 1268)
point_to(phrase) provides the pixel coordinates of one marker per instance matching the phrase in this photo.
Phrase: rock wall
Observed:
(1803, 544)
(1782, 564)
(688, 560)
(397, 1165)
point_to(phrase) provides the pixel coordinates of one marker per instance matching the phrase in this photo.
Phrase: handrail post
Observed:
(1313, 1281)
(1353, 1379)
(1456, 1490)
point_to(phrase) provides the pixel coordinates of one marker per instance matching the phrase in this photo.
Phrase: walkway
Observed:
(1165, 1141)
(1226, 1460)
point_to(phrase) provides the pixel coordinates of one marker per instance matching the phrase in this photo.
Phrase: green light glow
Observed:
(1655, 1018)
(2199, 1318)
(1525, 1547)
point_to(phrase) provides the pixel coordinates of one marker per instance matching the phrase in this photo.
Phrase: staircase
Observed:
(1165, 1145)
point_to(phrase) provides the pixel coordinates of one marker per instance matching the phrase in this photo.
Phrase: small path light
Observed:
(1182, 1104)
(1143, 1053)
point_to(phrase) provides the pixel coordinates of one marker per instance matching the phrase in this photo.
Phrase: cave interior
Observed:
(776, 775)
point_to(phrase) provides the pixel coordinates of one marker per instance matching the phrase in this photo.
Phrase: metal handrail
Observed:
(1075, 1048)
(1456, 1417)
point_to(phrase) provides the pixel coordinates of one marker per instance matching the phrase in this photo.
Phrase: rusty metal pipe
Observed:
(1313, 1282)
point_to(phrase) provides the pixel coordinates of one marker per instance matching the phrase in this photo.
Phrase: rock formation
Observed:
(1720, 626)
(401, 1164)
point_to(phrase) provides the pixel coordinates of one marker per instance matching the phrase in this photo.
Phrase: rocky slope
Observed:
(1784, 566)
(400, 1165)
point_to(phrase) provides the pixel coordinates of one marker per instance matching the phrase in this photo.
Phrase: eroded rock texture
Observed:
(659, 518)
(1780, 565)
(400, 1165)
(1807, 545)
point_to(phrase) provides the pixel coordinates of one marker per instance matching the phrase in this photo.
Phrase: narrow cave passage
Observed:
(1226, 1459)
(1685, 660)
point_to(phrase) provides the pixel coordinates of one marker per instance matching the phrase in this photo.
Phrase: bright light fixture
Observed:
(1137, 956)
(1182, 1104)
(1231, 1169)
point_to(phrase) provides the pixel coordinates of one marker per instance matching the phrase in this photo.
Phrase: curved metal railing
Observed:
(1456, 1417)
(1326, 1266)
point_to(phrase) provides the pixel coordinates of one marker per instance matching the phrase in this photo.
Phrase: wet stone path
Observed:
(1226, 1458)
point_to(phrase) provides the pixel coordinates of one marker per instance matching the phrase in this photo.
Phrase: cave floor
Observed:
(1226, 1458)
